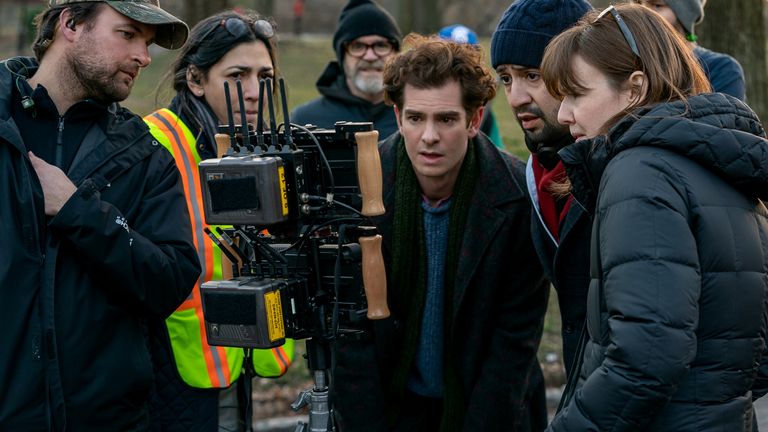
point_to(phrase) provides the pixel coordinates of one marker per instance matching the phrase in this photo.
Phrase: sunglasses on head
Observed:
(238, 27)
(622, 26)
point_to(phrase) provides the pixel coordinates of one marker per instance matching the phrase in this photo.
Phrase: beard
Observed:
(368, 84)
(550, 132)
(97, 79)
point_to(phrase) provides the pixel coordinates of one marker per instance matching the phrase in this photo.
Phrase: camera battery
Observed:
(244, 312)
(244, 190)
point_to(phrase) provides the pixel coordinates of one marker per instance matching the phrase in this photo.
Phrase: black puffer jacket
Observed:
(75, 291)
(677, 304)
(338, 104)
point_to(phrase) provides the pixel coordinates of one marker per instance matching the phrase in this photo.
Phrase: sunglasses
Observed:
(380, 48)
(622, 26)
(238, 27)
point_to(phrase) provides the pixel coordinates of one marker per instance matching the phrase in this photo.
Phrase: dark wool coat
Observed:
(499, 303)
(676, 309)
(77, 289)
(338, 104)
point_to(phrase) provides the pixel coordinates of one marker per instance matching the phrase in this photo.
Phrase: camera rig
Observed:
(306, 265)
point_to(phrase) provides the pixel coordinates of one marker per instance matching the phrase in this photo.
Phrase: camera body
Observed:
(288, 204)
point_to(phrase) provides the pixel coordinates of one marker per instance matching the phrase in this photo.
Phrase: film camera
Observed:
(307, 265)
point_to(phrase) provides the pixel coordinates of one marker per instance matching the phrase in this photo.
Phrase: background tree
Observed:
(421, 16)
(264, 7)
(196, 10)
(737, 27)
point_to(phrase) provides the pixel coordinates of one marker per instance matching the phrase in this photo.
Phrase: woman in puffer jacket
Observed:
(675, 179)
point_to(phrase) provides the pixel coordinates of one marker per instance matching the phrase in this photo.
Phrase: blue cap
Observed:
(459, 33)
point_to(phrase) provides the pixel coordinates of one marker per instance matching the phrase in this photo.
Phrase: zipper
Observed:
(60, 143)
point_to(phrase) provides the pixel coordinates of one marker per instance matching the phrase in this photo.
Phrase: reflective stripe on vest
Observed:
(199, 364)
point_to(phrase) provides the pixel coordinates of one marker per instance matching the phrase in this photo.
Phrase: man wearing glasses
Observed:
(560, 226)
(352, 86)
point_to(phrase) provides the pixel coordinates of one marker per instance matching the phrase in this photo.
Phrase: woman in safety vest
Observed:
(190, 374)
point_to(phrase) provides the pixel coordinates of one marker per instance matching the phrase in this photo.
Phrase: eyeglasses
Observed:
(622, 26)
(238, 27)
(358, 49)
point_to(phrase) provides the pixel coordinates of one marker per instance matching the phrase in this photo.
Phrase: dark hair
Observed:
(206, 46)
(431, 62)
(47, 20)
(671, 70)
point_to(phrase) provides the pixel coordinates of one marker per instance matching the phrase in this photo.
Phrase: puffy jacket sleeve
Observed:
(149, 263)
(650, 286)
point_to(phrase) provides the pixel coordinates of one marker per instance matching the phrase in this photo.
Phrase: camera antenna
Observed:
(260, 119)
(243, 120)
(230, 117)
(286, 117)
(272, 121)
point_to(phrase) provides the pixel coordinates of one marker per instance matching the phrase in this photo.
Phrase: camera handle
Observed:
(318, 398)
(369, 172)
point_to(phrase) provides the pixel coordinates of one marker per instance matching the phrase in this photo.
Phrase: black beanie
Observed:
(527, 26)
(363, 18)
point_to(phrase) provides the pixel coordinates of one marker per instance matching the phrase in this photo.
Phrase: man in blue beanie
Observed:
(560, 227)
(723, 71)
(351, 87)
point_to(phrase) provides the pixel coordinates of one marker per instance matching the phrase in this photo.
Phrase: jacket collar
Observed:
(714, 130)
(333, 84)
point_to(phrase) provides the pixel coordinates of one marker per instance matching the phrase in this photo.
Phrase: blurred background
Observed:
(735, 27)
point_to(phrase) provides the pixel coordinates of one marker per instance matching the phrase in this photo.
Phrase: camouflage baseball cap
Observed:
(171, 31)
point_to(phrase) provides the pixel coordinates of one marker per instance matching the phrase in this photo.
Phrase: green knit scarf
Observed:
(409, 278)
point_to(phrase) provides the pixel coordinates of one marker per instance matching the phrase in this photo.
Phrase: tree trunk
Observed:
(197, 10)
(21, 41)
(737, 27)
(420, 16)
(265, 7)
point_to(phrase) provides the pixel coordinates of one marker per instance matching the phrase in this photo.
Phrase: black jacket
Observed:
(677, 303)
(500, 299)
(566, 264)
(338, 104)
(76, 290)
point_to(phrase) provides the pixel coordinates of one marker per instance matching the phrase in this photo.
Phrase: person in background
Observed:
(190, 374)
(466, 292)
(87, 256)
(675, 177)
(298, 16)
(351, 87)
(723, 71)
(560, 227)
(462, 34)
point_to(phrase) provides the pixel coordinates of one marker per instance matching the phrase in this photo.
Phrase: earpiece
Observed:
(71, 25)
(26, 100)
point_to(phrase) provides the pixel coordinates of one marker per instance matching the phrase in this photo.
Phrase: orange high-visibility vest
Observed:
(199, 364)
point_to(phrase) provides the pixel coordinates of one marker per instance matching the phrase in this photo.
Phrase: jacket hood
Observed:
(714, 130)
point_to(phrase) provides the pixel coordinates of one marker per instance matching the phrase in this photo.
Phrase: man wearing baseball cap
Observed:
(85, 195)
(351, 87)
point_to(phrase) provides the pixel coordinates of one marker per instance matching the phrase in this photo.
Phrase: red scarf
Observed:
(547, 202)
